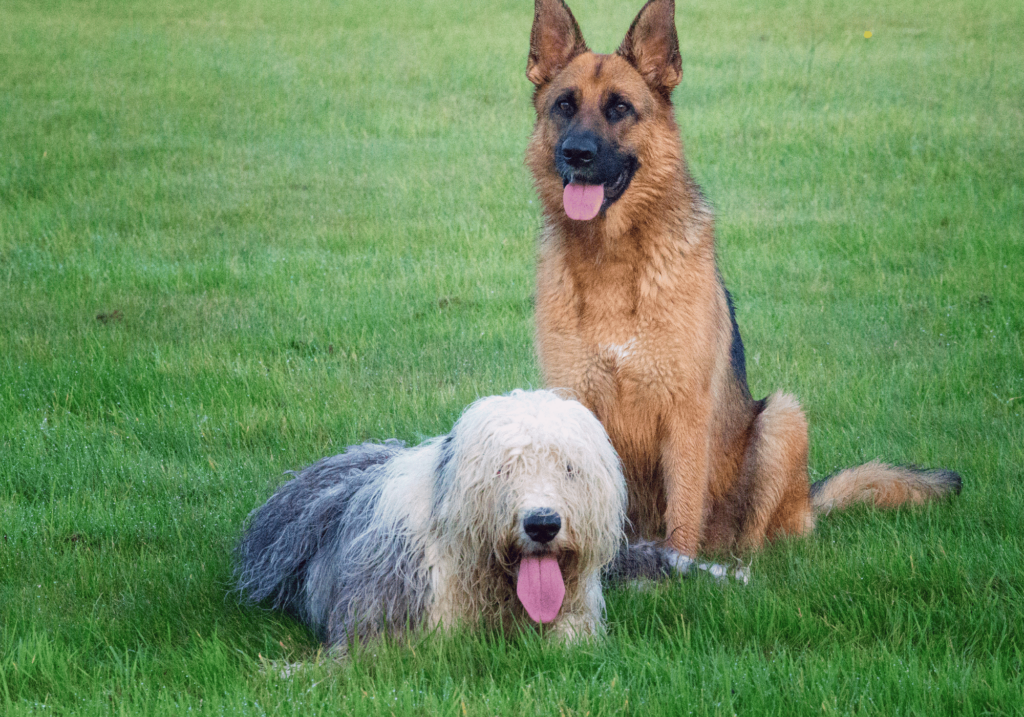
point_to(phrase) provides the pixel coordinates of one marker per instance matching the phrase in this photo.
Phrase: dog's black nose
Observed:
(579, 150)
(542, 525)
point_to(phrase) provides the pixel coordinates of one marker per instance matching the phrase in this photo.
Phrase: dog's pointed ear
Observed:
(554, 41)
(652, 46)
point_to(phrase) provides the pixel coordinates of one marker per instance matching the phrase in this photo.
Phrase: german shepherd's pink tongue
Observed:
(582, 202)
(540, 587)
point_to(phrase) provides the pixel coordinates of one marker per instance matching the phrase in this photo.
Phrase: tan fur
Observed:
(632, 315)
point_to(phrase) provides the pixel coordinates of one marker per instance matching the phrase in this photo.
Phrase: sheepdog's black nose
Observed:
(542, 525)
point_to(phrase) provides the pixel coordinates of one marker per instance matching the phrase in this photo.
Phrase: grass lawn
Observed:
(239, 236)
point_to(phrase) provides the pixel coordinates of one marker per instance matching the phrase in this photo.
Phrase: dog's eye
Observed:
(618, 110)
(565, 106)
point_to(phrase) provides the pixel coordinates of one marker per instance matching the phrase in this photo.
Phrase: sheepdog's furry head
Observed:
(508, 520)
(527, 482)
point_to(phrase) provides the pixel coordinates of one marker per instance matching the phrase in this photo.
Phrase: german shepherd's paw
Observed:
(683, 564)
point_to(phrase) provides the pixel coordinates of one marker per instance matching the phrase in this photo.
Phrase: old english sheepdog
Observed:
(508, 519)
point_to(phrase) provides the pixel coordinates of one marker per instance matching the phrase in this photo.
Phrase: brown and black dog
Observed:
(632, 314)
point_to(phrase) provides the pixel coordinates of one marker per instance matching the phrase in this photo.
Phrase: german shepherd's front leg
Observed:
(684, 469)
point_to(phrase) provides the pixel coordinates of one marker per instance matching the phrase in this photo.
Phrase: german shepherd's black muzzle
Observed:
(584, 157)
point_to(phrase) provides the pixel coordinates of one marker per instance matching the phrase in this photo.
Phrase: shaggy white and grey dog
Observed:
(508, 519)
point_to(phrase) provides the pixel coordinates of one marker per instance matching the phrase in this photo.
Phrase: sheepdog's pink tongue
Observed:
(582, 202)
(540, 587)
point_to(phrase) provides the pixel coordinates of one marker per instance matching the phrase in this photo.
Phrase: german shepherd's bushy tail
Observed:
(883, 486)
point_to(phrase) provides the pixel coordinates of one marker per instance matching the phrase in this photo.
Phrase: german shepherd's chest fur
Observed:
(611, 318)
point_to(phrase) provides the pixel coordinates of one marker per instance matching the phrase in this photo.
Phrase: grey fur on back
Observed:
(315, 550)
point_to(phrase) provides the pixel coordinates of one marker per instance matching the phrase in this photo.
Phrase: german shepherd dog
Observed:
(632, 314)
